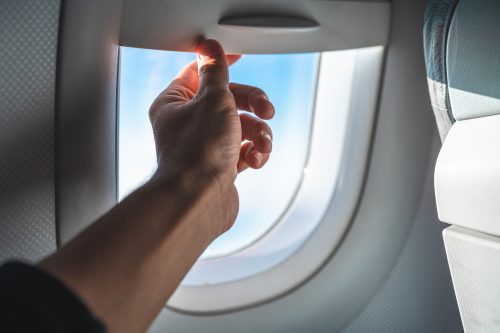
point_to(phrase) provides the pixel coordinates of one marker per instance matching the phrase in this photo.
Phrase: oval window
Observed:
(288, 79)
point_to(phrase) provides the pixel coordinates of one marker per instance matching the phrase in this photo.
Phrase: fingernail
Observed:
(259, 158)
(266, 135)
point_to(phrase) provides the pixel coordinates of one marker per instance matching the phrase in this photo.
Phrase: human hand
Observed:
(196, 124)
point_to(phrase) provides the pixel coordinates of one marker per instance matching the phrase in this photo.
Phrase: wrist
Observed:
(189, 181)
(207, 198)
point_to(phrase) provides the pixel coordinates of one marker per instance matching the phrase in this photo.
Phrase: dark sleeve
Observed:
(32, 300)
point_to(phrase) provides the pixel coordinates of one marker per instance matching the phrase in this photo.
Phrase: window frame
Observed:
(125, 187)
(306, 257)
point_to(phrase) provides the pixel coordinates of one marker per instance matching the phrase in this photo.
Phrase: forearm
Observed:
(130, 261)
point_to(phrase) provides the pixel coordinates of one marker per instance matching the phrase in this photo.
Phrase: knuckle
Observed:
(245, 118)
(257, 128)
(153, 111)
(157, 105)
(209, 69)
(255, 92)
(214, 94)
(258, 91)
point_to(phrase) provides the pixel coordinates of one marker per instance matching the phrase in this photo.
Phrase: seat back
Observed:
(462, 43)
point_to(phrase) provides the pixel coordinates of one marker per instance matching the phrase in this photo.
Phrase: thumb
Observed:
(212, 65)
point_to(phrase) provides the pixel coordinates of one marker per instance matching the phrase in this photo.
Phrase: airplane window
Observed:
(294, 211)
(266, 194)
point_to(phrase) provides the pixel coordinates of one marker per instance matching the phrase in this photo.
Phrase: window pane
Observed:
(265, 194)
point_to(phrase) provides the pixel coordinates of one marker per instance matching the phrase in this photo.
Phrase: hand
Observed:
(196, 124)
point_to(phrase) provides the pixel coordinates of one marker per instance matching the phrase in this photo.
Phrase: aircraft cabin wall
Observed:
(58, 98)
(28, 53)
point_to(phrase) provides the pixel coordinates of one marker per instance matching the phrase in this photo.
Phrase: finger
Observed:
(253, 159)
(252, 99)
(190, 71)
(188, 76)
(257, 131)
(256, 160)
(242, 164)
(249, 158)
(212, 65)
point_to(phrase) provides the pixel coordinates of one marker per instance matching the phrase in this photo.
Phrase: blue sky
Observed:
(288, 79)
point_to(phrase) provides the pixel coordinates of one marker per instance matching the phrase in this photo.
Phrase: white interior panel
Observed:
(467, 177)
(178, 25)
(86, 114)
(474, 260)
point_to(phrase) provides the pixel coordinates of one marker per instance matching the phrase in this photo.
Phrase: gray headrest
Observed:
(462, 44)
(473, 59)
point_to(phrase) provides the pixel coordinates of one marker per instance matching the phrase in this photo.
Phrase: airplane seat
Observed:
(462, 44)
